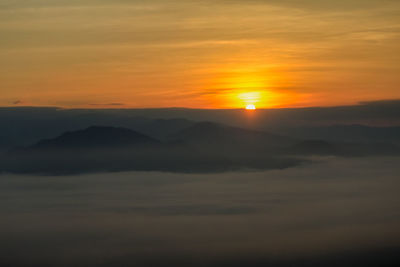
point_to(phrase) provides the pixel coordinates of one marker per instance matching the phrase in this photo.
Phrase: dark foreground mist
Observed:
(340, 212)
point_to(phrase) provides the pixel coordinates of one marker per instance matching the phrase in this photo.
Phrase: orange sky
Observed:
(198, 54)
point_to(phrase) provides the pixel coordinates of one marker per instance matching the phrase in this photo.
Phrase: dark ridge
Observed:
(105, 149)
(97, 137)
(212, 132)
(347, 133)
(315, 147)
(202, 147)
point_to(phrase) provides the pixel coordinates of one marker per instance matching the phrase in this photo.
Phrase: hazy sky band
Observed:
(200, 54)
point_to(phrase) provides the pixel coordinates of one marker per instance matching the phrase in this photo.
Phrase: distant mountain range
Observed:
(96, 137)
(345, 133)
(24, 126)
(200, 147)
(222, 139)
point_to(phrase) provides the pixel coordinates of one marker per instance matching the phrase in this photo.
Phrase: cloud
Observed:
(130, 47)
(107, 104)
(386, 102)
(318, 5)
(340, 212)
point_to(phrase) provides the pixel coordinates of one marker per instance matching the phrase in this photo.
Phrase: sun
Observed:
(249, 99)
(250, 107)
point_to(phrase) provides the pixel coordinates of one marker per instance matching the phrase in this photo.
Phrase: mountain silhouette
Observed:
(201, 147)
(346, 133)
(220, 138)
(315, 147)
(101, 148)
(97, 137)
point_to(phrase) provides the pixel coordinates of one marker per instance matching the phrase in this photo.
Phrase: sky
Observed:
(198, 54)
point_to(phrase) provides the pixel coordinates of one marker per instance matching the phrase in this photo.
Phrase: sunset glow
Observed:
(211, 54)
(250, 98)
(200, 133)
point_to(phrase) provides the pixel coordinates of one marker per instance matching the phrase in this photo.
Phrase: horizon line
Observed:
(360, 103)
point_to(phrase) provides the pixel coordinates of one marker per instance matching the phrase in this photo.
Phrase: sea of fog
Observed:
(335, 212)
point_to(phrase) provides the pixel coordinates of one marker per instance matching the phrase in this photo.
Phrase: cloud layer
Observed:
(341, 212)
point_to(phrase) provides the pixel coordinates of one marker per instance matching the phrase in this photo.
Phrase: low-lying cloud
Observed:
(340, 212)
